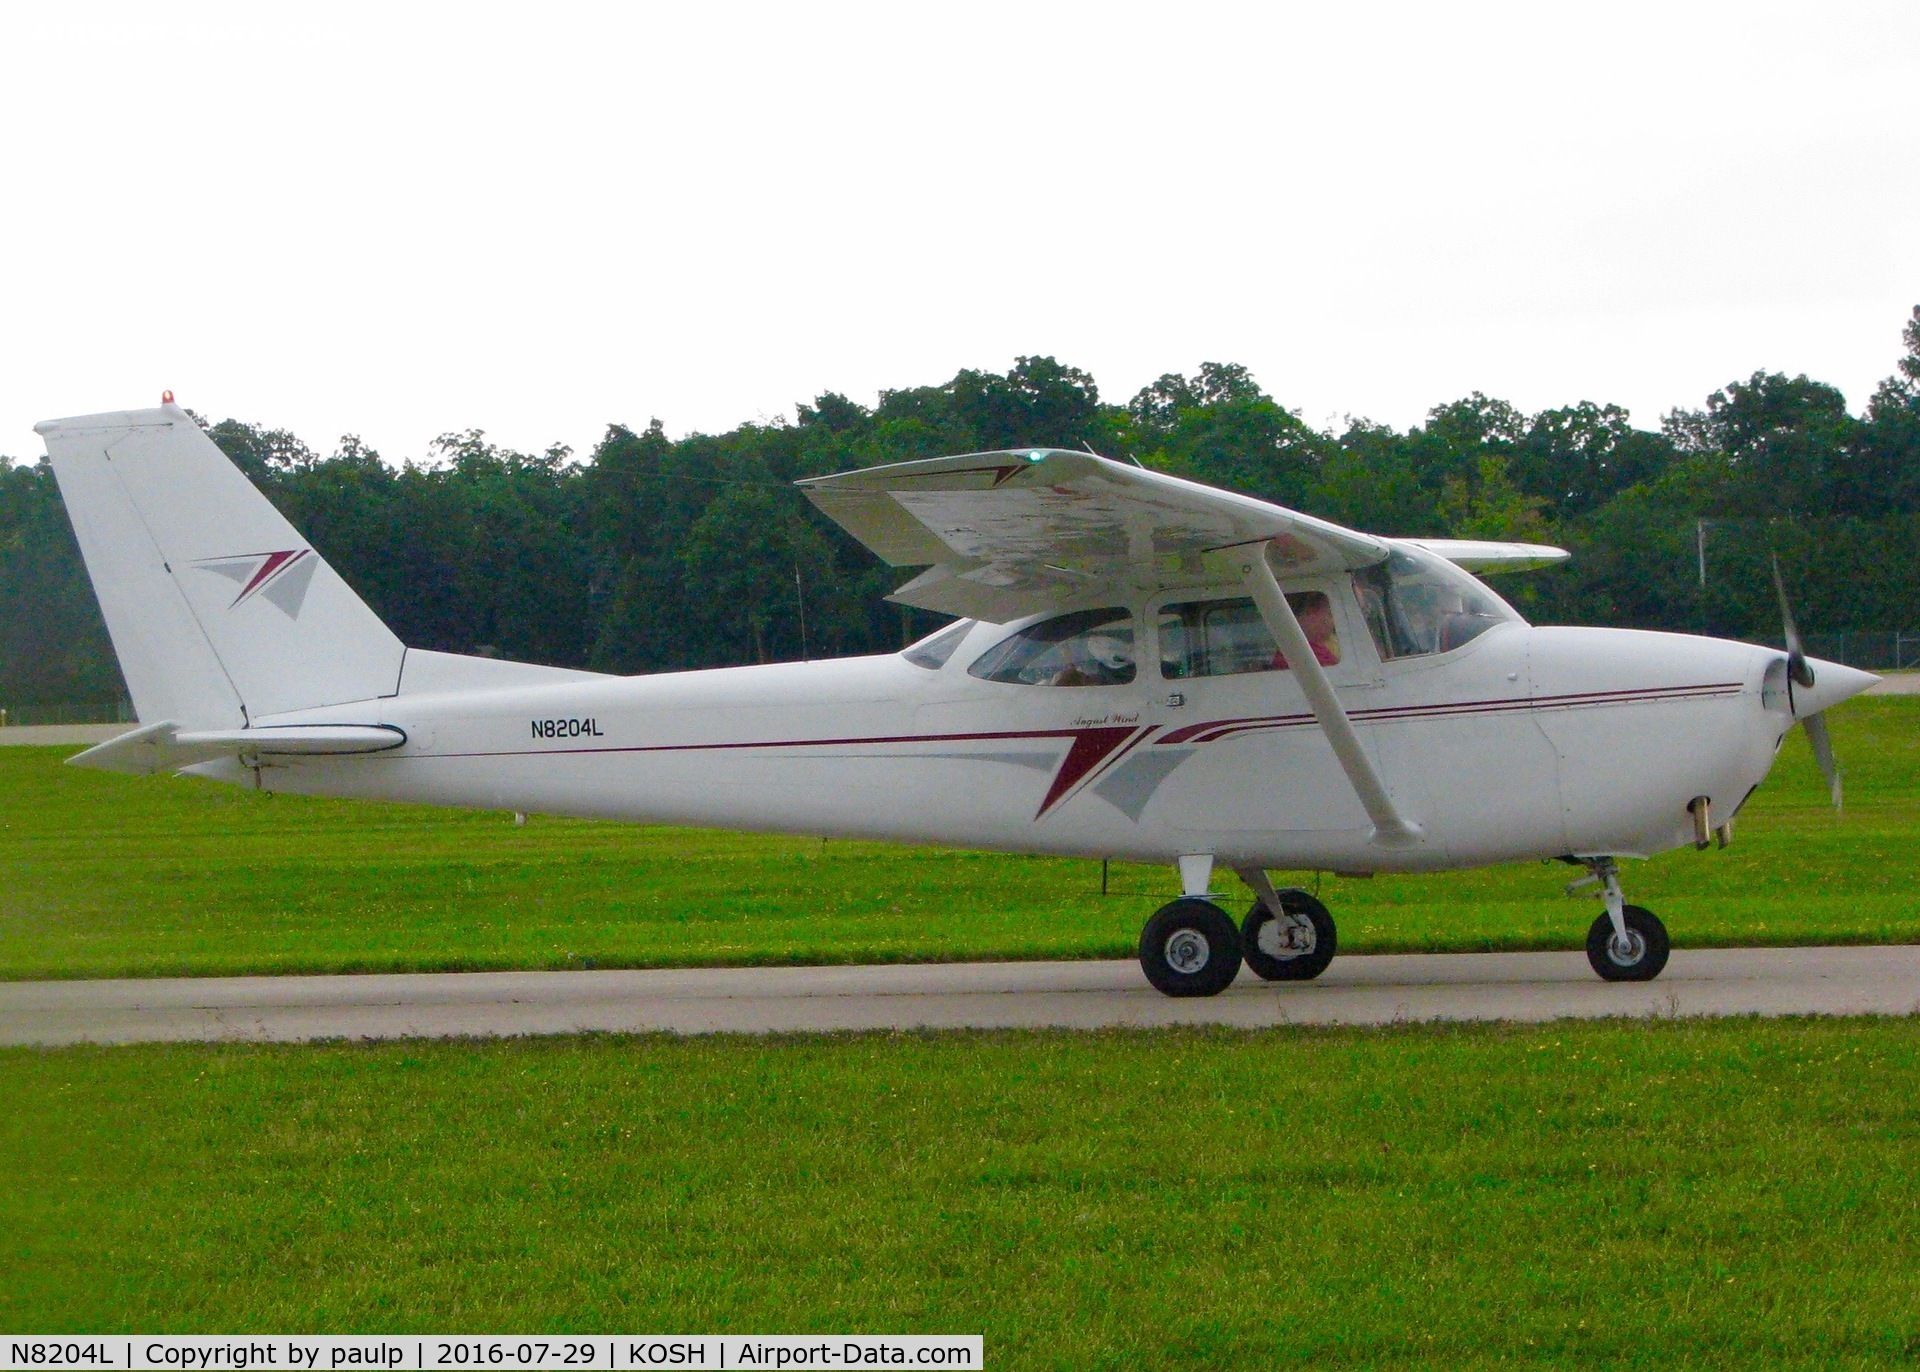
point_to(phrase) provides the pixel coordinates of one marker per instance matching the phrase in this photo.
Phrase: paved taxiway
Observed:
(1084, 995)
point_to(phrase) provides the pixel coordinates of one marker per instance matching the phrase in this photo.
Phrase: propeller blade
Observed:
(1816, 727)
(1797, 667)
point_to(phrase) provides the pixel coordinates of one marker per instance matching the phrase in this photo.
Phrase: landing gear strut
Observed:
(1190, 947)
(1628, 942)
(1287, 935)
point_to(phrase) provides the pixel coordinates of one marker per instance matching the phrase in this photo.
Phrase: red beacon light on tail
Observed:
(166, 397)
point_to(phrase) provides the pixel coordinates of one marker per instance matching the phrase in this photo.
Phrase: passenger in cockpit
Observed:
(1315, 613)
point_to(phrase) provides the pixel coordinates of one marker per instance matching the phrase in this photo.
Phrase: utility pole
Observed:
(800, 599)
(1700, 551)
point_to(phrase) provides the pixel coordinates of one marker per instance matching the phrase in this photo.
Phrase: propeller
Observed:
(1800, 673)
(1816, 727)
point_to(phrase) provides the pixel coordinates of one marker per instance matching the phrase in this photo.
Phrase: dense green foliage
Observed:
(106, 875)
(53, 643)
(1663, 1194)
(655, 553)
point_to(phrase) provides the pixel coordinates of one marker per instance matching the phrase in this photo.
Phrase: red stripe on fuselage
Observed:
(1211, 730)
(1090, 749)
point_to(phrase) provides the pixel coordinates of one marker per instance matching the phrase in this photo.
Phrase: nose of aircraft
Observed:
(1832, 683)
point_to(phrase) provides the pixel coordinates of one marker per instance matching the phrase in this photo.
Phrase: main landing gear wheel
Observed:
(1295, 949)
(1643, 955)
(1190, 948)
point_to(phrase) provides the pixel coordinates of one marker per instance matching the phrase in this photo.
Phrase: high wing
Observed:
(1486, 558)
(1008, 534)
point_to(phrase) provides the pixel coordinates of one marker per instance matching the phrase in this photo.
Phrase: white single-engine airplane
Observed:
(1145, 668)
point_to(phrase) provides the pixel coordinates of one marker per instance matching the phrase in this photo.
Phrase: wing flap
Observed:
(1007, 534)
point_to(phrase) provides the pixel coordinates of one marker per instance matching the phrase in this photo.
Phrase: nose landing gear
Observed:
(1628, 942)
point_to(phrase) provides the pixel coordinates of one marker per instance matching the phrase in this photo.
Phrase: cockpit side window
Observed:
(1416, 603)
(933, 651)
(1086, 648)
(1228, 637)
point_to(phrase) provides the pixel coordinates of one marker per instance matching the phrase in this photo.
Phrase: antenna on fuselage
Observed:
(1130, 457)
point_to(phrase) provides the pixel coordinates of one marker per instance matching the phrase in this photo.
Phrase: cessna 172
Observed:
(1144, 668)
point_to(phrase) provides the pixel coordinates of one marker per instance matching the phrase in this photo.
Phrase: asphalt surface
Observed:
(1083, 995)
(60, 735)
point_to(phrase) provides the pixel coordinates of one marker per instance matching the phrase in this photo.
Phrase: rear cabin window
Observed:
(933, 651)
(1228, 637)
(1417, 603)
(1086, 648)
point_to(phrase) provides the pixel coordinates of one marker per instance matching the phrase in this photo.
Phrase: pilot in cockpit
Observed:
(1096, 659)
(1315, 613)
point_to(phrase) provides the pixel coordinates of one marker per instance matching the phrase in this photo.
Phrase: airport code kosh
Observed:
(358, 1353)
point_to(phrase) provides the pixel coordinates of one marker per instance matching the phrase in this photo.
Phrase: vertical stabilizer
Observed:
(219, 611)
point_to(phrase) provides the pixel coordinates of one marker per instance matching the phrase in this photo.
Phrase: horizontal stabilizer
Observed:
(165, 747)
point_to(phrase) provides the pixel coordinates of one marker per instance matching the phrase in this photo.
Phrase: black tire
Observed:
(1649, 953)
(1190, 948)
(1307, 958)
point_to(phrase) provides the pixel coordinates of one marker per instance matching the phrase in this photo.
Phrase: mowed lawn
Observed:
(104, 875)
(1650, 1194)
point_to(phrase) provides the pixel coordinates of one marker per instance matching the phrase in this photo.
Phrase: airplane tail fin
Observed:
(219, 612)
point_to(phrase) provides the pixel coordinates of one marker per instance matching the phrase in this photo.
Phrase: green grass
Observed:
(1653, 1194)
(104, 875)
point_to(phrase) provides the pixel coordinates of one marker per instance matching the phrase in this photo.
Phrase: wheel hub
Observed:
(1188, 951)
(1629, 952)
(1289, 937)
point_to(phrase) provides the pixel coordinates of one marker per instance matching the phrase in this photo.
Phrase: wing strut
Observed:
(1389, 829)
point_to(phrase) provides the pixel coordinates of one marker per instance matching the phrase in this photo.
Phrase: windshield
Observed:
(1416, 603)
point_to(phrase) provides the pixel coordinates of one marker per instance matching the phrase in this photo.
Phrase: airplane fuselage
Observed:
(1524, 743)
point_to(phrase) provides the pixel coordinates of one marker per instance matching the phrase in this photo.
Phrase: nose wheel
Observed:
(1639, 956)
(1628, 942)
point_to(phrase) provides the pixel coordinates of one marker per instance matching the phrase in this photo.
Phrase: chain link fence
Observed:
(1871, 650)
(97, 712)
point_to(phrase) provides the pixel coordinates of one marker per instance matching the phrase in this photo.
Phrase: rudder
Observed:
(220, 613)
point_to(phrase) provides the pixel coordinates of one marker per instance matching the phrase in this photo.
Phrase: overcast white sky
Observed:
(402, 220)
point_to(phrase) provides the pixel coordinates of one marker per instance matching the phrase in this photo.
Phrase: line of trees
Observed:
(655, 553)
